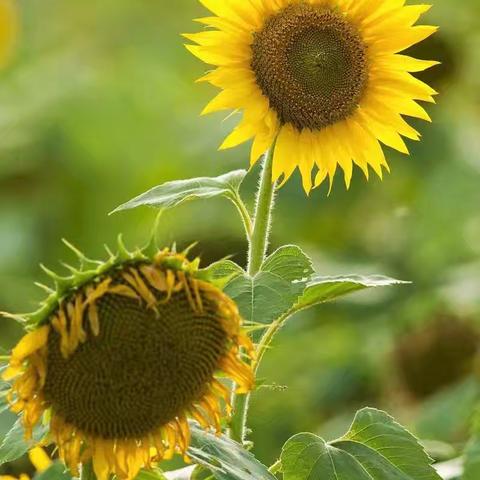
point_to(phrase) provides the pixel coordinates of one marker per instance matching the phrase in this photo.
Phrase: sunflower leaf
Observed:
(172, 194)
(14, 444)
(325, 289)
(222, 272)
(202, 473)
(57, 471)
(375, 448)
(275, 288)
(226, 459)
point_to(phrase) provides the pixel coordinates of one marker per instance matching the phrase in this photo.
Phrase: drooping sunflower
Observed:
(119, 357)
(8, 28)
(322, 78)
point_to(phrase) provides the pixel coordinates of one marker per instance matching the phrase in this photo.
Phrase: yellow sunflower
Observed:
(322, 78)
(119, 357)
(8, 29)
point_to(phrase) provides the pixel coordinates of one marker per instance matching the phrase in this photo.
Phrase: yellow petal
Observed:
(399, 40)
(30, 343)
(285, 157)
(39, 458)
(100, 460)
(403, 62)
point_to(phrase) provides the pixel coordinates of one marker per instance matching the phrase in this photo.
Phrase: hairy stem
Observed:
(245, 216)
(257, 250)
(263, 216)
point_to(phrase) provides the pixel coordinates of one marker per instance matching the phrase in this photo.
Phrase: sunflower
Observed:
(119, 357)
(8, 29)
(322, 78)
(39, 460)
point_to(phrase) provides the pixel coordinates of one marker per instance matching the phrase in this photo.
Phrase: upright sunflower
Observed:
(324, 78)
(118, 358)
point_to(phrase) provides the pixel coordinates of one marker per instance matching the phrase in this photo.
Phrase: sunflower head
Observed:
(322, 77)
(119, 357)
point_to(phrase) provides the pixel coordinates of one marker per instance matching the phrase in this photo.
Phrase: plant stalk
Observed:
(263, 216)
(243, 211)
(276, 467)
(257, 250)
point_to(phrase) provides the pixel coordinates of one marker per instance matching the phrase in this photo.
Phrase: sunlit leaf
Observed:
(324, 289)
(275, 288)
(222, 272)
(226, 459)
(14, 444)
(172, 194)
(375, 448)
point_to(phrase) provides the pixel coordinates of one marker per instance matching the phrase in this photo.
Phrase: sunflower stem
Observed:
(263, 216)
(257, 250)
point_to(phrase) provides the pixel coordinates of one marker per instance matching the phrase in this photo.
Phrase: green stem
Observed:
(256, 255)
(276, 467)
(244, 214)
(263, 216)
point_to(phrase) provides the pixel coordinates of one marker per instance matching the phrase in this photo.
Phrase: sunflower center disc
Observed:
(140, 372)
(311, 64)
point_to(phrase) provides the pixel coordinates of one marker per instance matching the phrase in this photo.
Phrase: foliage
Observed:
(375, 448)
(81, 105)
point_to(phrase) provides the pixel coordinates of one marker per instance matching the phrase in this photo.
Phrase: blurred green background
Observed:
(99, 104)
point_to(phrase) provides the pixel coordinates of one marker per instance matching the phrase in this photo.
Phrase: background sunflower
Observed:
(107, 84)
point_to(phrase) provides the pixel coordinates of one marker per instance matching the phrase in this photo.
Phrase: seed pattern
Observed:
(311, 64)
(142, 369)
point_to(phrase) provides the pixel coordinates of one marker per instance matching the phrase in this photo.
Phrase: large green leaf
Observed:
(375, 448)
(14, 445)
(172, 194)
(324, 289)
(275, 288)
(226, 459)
